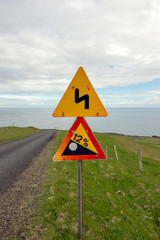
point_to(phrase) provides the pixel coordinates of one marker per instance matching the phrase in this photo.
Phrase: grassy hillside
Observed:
(119, 202)
(8, 134)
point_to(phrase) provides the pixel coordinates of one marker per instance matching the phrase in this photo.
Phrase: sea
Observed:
(128, 121)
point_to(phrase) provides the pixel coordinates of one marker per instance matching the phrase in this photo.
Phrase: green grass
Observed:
(8, 134)
(149, 146)
(119, 202)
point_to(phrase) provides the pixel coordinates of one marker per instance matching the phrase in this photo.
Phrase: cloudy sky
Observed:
(43, 43)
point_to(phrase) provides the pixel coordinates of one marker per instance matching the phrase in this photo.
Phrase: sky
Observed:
(43, 43)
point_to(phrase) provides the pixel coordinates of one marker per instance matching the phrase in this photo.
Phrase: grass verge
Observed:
(119, 202)
(8, 134)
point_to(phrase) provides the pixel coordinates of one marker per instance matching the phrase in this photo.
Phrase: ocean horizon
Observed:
(128, 121)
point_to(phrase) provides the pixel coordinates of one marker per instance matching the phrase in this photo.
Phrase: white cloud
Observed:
(80, 4)
(42, 43)
(27, 100)
(143, 99)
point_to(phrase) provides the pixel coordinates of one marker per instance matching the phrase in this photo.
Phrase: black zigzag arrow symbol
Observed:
(84, 98)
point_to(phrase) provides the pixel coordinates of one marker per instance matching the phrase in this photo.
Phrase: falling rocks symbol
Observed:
(76, 149)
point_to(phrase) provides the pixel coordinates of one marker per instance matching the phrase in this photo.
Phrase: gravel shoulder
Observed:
(19, 201)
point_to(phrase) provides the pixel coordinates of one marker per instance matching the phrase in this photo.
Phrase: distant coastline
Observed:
(125, 121)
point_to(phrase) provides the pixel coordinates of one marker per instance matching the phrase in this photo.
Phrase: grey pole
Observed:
(140, 160)
(79, 198)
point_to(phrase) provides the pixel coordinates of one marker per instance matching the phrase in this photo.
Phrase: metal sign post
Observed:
(80, 100)
(80, 204)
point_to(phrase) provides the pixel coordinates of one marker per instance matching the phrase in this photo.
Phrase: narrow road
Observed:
(15, 156)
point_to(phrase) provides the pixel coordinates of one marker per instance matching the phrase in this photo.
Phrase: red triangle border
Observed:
(58, 156)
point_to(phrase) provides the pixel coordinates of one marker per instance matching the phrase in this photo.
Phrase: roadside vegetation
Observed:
(8, 134)
(119, 202)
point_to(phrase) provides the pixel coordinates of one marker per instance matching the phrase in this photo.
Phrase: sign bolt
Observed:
(63, 114)
(97, 113)
(88, 87)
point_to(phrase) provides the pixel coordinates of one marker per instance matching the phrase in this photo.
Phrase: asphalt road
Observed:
(15, 156)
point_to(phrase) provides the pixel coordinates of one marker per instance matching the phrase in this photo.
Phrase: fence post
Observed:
(140, 160)
(106, 152)
(116, 152)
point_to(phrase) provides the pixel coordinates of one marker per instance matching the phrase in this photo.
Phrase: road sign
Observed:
(80, 99)
(79, 144)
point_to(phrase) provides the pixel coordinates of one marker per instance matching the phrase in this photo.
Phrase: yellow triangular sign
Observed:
(80, 99)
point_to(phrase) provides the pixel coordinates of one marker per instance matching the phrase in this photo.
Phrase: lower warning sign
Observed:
(79, 144)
